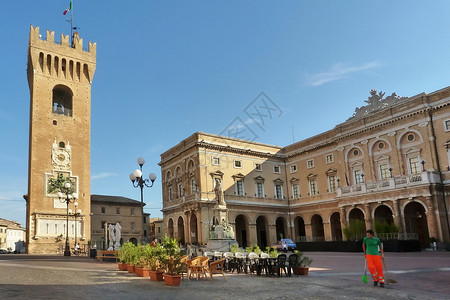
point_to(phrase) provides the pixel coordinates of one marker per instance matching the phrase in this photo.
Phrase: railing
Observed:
(310, 239)
(398, 236)
(389, 183)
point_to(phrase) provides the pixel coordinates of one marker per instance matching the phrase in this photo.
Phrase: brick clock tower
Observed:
(60, 77)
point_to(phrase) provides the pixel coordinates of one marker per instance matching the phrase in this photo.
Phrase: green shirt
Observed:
(372, 245)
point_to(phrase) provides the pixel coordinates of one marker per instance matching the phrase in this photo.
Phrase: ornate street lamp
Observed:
(138, 181)
(76, 214)
(65, 195)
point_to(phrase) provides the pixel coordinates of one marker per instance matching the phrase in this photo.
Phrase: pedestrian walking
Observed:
(373, 251)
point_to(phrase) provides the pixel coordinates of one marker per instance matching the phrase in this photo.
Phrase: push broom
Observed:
(388, 280)
(364, 277)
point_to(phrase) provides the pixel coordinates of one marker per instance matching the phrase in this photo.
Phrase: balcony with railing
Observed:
(427, 177)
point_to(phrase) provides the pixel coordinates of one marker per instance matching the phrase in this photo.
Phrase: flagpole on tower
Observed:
(71, 23)
(70, 8)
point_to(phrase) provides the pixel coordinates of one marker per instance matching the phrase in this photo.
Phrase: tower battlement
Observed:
(37, 39)
(62, 59)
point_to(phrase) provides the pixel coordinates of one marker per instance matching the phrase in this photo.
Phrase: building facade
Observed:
(12, 236)
(116, 210)
(387, 164)
(60, 75)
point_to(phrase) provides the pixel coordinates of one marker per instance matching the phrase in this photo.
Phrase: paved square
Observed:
(424, 275)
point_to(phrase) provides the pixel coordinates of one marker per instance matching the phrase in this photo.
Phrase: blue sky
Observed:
(166, 69)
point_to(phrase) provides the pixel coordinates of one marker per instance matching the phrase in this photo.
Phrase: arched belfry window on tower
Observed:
(62, 100)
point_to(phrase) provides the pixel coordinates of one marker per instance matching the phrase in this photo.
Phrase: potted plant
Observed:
(272, 252)
(254, 249)
(142, 267)
(302, 264)
(123, 255)
(154, 256)
(131, 257)
(171, 261)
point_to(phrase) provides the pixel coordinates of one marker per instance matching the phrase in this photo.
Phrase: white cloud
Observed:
(339, 71)
(103, 175)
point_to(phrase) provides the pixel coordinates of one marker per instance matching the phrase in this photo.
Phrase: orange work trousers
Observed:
(375, 267)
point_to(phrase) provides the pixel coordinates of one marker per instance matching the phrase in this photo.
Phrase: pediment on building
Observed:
(278, 181)
(259, 179)
(331, 172)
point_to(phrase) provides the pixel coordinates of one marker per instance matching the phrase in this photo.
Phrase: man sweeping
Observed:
(374, 256)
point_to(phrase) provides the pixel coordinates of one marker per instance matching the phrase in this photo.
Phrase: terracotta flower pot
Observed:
(156, 275)
(130, 268)
(122, 267)
(173, 280)
(300, 271)
(142, 272)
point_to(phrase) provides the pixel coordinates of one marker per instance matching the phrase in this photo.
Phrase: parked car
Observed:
(286, 245)
(3, 251)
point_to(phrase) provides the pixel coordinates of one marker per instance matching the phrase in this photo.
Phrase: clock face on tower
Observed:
(61, 158)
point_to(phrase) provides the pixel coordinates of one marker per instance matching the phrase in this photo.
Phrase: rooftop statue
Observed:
(375, 103)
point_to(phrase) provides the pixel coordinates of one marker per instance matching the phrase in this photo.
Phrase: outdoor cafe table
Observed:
(267, 264)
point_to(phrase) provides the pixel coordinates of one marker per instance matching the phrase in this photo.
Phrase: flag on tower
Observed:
(68, 9)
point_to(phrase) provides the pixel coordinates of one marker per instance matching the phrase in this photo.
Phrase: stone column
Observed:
(398, 216)
(368, 217)
(327, 231)
(272, 235)
(308, 231)
(252, 236)
(344, 222)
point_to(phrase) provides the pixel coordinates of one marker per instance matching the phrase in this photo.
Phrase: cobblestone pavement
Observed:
(420, 275)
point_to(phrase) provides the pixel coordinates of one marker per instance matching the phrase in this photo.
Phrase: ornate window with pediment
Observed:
(384, 167)
(413, 161)
(278, 188)
(312, 182)
(331, 175)
(259, 187)
(239, 184)
(295, 188)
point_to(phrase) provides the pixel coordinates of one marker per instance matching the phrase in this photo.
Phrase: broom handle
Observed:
(384, 264)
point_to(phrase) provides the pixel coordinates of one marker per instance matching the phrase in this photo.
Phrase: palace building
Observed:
(60, 75)
(387, 164)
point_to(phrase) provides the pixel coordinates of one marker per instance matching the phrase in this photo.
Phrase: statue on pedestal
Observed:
(219, 193)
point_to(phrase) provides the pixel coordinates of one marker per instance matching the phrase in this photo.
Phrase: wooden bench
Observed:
(107, 254)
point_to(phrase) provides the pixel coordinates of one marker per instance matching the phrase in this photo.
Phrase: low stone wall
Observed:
(356, 246)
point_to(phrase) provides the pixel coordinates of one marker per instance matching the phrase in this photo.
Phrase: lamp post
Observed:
(69, 197)
(76, 214)
(138, 181)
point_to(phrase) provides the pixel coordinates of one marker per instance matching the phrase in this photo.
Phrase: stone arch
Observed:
(281, 228)
(318, 232)
(180, 230)
(402, 139)
(383, 213)
(241, 225)
(190, 165)
(300, 229)
(335, 224)
(62, 98)
(193, 225)
(168, 175)
(170, 227)
(416, 221)
(349, 155)
(374, 147)
(262, 231)
(356, 223)
(178, 171)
